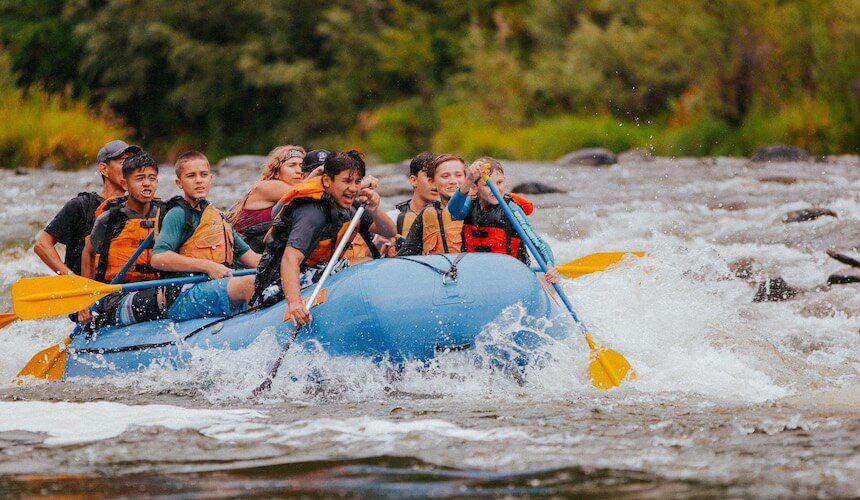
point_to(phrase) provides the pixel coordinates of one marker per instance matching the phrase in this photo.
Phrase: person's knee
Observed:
(240, 289)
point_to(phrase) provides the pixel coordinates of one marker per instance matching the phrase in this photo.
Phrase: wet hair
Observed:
(187, 157)
(270, 172)
(341, 161)
(136, 161)
(495, 166)
(440, 159)
(420, 162)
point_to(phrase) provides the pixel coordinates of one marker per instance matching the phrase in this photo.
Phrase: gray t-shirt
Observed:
(309, 223)
(99, 232)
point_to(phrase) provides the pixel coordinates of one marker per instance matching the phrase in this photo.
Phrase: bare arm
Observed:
(46, 249)
(268, 191)
(172, 261)
(250, 259)
(87, 258)
(290, 266)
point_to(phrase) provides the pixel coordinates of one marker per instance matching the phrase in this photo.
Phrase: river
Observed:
(732, 397)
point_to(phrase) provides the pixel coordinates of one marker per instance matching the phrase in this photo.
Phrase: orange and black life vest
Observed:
(491, 231)
(122, 238)
(440, 232)
(212, 239)
(309, 191)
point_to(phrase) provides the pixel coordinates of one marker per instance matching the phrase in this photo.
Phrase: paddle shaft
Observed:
(528, 242)
(267, 384)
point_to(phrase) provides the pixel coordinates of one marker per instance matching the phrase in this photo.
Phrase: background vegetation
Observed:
(516, 78)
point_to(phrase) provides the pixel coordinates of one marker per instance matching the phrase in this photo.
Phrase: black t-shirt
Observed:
(309, 223)
(72, 224)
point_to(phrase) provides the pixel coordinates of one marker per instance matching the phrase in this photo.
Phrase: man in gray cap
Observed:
(75, 220)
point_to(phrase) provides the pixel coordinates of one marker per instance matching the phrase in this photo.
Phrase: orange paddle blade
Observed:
(48, 364)
(608, 368)
(7, 318)
(54, 295)
(593, 263)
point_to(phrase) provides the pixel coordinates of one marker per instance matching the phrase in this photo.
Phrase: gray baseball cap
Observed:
(114, 149)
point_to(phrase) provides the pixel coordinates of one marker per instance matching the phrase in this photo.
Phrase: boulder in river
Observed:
(241, 161)
(779, 152)
(636, 155)
(535, 188)
(592, 157)
(844, 276)
(774, 290)
(807, 214)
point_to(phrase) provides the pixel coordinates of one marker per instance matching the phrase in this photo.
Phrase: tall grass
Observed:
(38, 127)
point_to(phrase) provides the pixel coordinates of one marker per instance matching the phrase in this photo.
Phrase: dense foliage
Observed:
(518, 78)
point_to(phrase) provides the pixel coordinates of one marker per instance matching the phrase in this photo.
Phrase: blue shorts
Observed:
(203, 300)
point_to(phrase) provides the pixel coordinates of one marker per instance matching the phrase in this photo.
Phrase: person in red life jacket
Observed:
(252, 214)
(435, 231)
(486, 228)
(121, 226)
(74, 221)
(309, 227)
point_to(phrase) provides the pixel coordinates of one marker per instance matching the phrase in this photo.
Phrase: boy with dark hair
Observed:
(74, 221)
(423, 193)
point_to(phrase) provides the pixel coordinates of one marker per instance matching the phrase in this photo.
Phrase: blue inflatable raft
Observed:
(400, 308)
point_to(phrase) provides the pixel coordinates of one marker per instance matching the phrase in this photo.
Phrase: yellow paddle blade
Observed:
(53, 295)
(608, 368)
(7, 318)
(592, 263)
(48, 364)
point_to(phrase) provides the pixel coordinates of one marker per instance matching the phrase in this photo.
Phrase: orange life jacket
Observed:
(524, 203)
(122, 238)
(441, 233)
(212, 239)
(491, 232)
(269, 269)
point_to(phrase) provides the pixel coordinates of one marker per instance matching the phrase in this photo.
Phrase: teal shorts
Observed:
(203, 300)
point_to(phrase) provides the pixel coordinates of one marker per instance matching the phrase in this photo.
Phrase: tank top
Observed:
(248, 218)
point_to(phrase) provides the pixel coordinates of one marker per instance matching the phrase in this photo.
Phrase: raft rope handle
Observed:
(451, 274)
(143, 347)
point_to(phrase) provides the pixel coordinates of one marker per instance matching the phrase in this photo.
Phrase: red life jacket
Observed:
(492, 232)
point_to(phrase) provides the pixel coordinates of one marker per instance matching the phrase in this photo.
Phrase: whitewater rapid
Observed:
(724, 389)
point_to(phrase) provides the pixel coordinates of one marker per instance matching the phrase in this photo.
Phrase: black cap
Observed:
(115, 149)
(314, 159)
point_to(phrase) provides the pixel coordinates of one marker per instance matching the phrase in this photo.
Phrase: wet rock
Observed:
(22, 171)
(241, 162)
(593, 157)
(728, 205)
(535, 188)
(807, 214)
(774, 290)
(636, 155)
(743, 268)
(844, 276)
(779, 179)
(779, 152)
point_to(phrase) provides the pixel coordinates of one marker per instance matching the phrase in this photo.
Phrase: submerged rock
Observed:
(774, 290)
(807, 214)
(779, 152)
(593, 157)
(535, 188)
(844, 276)
(636, 155)
(779, 179)
(241, 161)
(743, 268)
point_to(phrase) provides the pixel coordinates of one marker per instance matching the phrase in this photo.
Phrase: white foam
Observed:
(70, 423)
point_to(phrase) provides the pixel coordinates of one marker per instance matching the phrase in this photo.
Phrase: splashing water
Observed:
(730, 395)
